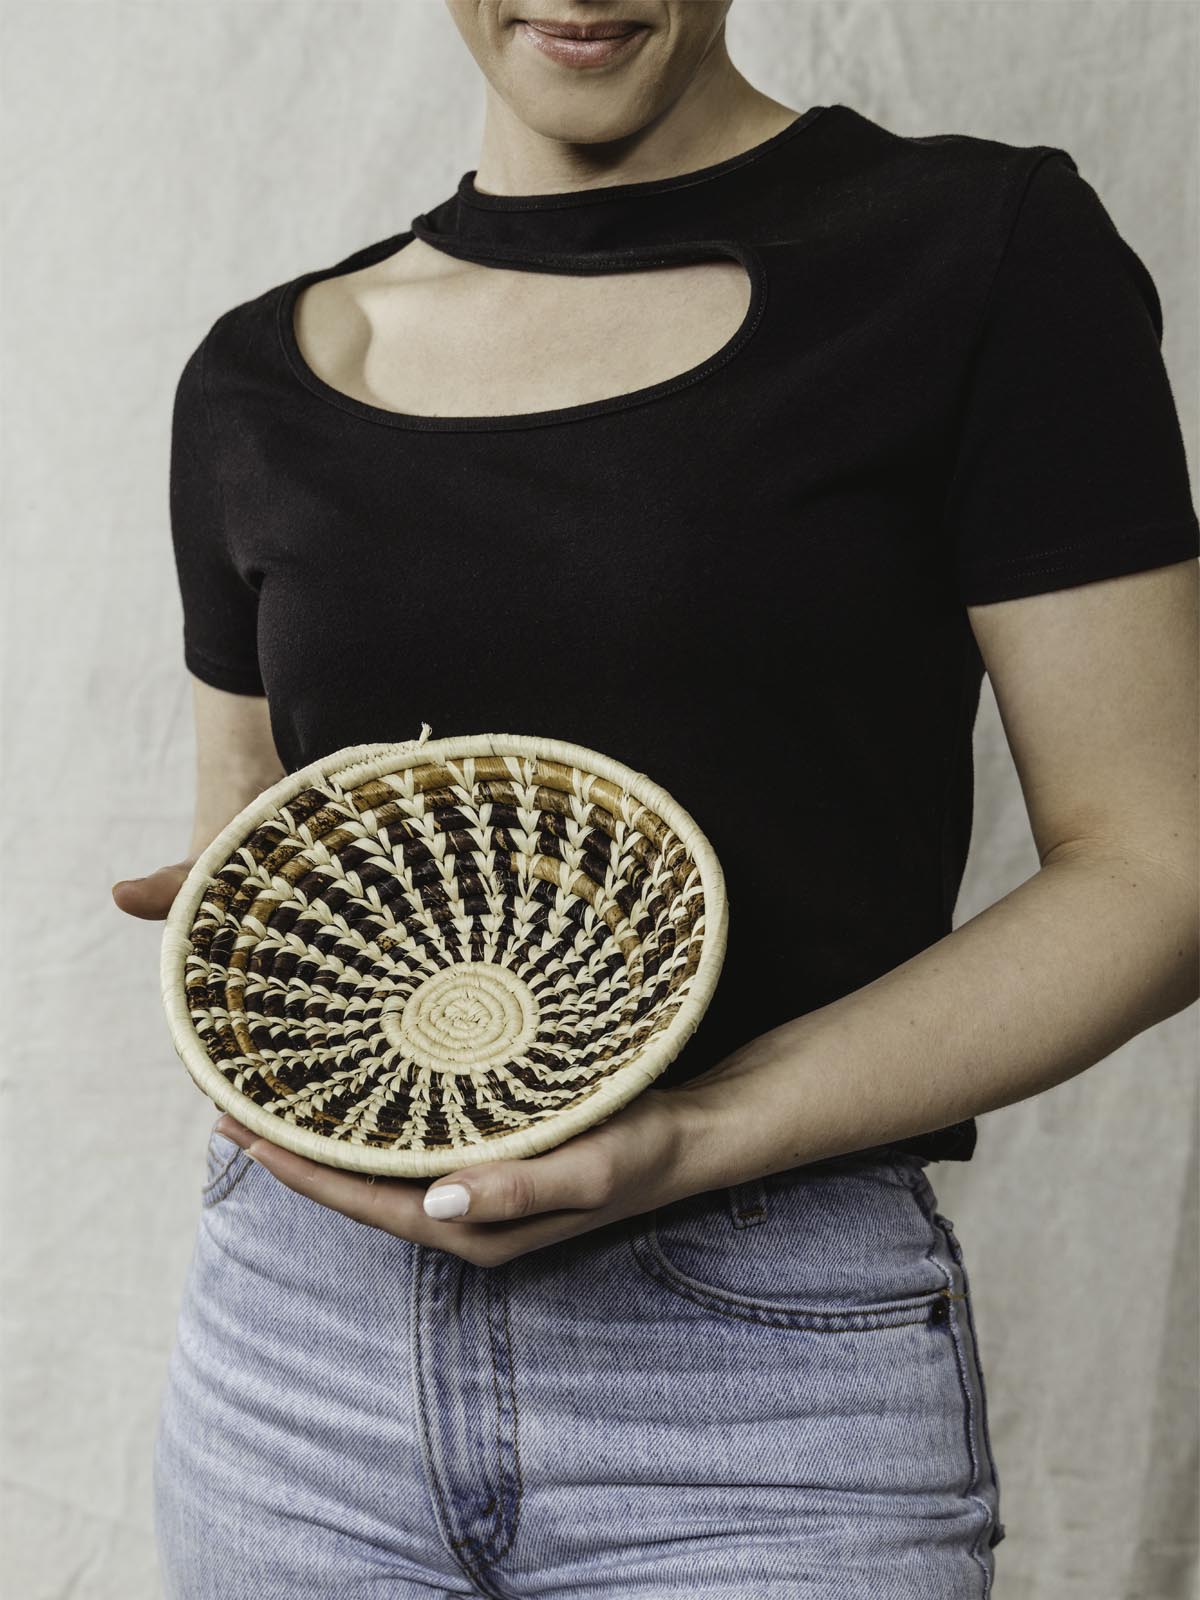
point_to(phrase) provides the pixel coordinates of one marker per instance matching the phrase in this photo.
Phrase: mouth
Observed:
(582, 44)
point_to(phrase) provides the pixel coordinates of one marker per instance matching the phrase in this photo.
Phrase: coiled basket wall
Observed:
(407, 958)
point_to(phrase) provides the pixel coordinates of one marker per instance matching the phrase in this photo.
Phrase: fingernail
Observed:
(450, 1200)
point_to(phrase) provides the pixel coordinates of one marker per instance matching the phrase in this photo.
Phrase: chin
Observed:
(595, 112)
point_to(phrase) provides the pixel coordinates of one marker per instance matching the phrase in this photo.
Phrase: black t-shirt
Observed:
(748, 581)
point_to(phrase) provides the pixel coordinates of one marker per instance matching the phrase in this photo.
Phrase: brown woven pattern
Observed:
(420, 955)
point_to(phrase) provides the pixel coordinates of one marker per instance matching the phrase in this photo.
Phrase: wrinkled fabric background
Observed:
(164, 161)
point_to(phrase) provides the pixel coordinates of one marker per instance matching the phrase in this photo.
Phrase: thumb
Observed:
(151, 897)
(501, 1191)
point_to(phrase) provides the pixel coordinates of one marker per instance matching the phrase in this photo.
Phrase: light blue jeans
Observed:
(766, 1390)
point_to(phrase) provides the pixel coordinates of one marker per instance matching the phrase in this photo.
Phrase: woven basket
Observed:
(408, 958)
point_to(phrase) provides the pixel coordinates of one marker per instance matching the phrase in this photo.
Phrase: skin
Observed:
(1096, 687)
(678, 102)
(424, 332)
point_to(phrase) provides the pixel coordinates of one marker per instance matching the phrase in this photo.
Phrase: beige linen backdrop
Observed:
(164, 161)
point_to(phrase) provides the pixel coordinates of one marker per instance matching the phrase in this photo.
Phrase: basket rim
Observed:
(353, 765)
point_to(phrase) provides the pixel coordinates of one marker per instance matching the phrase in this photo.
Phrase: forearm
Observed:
(1087, 953)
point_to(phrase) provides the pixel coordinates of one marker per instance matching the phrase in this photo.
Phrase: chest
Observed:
(425, 334)
(747, 498)
(746, 445)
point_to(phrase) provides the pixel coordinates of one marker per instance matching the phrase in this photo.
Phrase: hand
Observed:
(620, 1168)
(153, 895)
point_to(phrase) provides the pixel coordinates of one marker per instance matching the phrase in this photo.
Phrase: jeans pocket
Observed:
(844, 1244)
(227, 1164)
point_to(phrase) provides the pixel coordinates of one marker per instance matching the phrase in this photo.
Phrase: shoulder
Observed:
(942, 156)
(959, 209)
(244, 339)
(970, 179)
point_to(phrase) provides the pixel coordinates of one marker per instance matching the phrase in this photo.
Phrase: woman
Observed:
(736, 442)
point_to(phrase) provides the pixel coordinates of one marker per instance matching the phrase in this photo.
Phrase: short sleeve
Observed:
(220, 608)
(1069, 463)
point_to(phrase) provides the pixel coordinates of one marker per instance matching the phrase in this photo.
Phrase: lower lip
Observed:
(582, 52)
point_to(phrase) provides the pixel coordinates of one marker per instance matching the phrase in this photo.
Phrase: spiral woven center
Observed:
(472, 1015)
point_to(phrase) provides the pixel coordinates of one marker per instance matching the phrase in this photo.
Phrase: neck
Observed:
(627, 217)
(717, 116)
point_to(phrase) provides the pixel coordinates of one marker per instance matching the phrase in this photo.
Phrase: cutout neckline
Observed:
(678, 219)
(654, 256)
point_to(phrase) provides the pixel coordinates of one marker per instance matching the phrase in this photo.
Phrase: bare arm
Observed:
(235, 761)
(235, 757)
(1097, 691)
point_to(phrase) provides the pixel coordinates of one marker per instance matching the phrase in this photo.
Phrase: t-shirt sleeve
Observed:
(220, 608)
(1069, 462)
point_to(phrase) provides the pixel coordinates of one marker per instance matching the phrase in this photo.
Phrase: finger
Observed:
(151, 897)
(599, 1170)
(574, 1176)
(490, 1244)
(390, 1203)
(394, 1205)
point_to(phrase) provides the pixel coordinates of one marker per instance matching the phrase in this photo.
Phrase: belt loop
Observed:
(747, 1203)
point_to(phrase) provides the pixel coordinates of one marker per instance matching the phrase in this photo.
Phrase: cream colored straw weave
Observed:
(408, 958)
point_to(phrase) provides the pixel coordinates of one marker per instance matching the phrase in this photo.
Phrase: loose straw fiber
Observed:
(409, 958)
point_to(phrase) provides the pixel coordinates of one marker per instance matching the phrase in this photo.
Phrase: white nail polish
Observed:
(450, 1200)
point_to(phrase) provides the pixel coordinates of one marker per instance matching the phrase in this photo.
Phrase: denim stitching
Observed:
(516, 1428)
(941, 1227)
(248, 1164)
(482, 1547)
(998, 1531)
(417, 1342)
(237, 1151)
(472, 1553)
(486, 1552)
(648, 1254)
(457, 1548)
(747, 1203)
(433, 1477)
(979, 1414)
(656, 1266)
